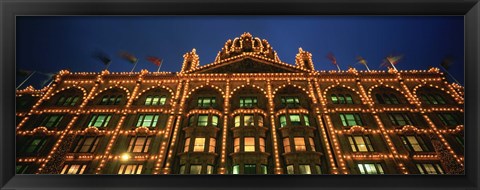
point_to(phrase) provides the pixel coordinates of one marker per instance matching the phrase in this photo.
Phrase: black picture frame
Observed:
(10, 9)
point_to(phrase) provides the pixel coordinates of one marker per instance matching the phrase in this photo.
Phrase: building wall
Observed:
(166, 155)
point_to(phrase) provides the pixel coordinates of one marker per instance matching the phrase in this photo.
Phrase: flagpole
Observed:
(134, 65)
(368, 69)
(31, 74)
(392, 65)
(108, 65)
(449, 74)
(338, 67)
(158, 70)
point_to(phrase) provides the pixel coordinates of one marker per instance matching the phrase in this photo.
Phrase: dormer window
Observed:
(341, 99)
(290, 101)
(432, 99)
(111, 100)
(387, 98)
(155, 100)
(205, 102)
(248, 102)
(67, 101)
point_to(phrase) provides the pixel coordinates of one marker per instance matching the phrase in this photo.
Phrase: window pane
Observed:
(305, 169)
(214, 120)
(312, 144)
(187, 144)
(283, 121)
(248, 120)
(163, 100)
(349, 99)
(212, 145)
(414, 143)
(360, 144)
(299, 144)
(237, 121)
(307, 121)
(199, 145)
(202, 120)
(262, 144)
(236, 144)
(290, 169)
(236, 169)
(249, 144)
(295, 119)
(250, 169)
(209, 169)
(264, 169)
(334, 99)
(286, 144)
(195, 169)
(148, 101)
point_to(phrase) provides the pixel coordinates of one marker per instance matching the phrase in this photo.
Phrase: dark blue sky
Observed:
(49, 44)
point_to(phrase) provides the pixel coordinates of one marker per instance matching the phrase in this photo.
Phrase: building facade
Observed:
(245, 113)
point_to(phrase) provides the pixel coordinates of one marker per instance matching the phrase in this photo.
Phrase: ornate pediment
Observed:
(247, 54)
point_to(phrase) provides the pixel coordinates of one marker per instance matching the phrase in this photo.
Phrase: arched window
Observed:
(155, 100)
(341, 99)
(387, 98)
(334, 98)
(111, 100)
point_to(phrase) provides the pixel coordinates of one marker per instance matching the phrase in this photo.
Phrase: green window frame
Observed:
(295, 119)
(370, 168)
(202, 120)
(334, 99)
(205, 102)
(35, 145)
(250, 169)
(283, 120)
(248, 102)
(448, 119)
(99, 120)
(351, 119)
(147, 120)
(51, 121)
(290, 101)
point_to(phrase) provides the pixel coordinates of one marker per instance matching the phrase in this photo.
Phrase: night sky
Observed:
(49, 44)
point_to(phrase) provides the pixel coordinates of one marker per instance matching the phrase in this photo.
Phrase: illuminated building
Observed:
(245, 113)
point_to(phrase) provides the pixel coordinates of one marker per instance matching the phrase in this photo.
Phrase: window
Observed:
(191, 120)
(21, 169)
(209, 169)
(414, 143)
(341, 99)
(206, 102)
(214, 120)
(432, 99)
(187, 144)
(460, 140)
(248, 120)
(295, 119)
(312, 144)
(139, 144)
(211, 147)
(360, 144)
(202, 120)
(237, 121)
(130, 169)
(73, 169)
(249, 144)
(262, 144)
(195, 169)
(290, 169)
(305, 169)
(430, 169)
(236, 169)
(147, 120)
(300, 144)
(286, 145)
(236, 145)
(370, 168)
(283, 121)
(290, 101)
(155, 100)
(99, 121)
(182, 169)
(399, 119)
(199, 145)
(35, 145)
(250, 169)
(111, 100)
(351, 119)
(87, 144)
(307, 121)
(387, 98)
(448, 119)
(67, 101)
(51, 121)
(248, 102)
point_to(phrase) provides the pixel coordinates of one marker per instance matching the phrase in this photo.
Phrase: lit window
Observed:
(360, 144)
(236, 169)
(312, 144)
(236, 145)
(67, 101)
(205, 102)
(99, 121)
(305, 169)
(139, 144)
(300, 144)
(35, 145)
(73, 169)
(209, 169)
(148, 120)
(163, 100)
(260, 120)
(290, 169)
(264, 169)
(248, 102)
(248, 120)
(191, 120)
(155, 100)
(307, 121)
(349, 99)
(295, 119)
(286, 145)
(51, 121)
(249, 144)
(430, 169)
(262, 144)
(182, 169)
(283, 121)
(195, 169)
(399, 119)
(370, 168)
(414, 143)
(214, 120)
(187, 144)
(202, 120)
(87, 144)
(334, 100)
(341, 99)
(448, 119)
(130, 169)
(211, 147)
(290, 101)
(237, 121)
(349, 119)
(199, 145)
